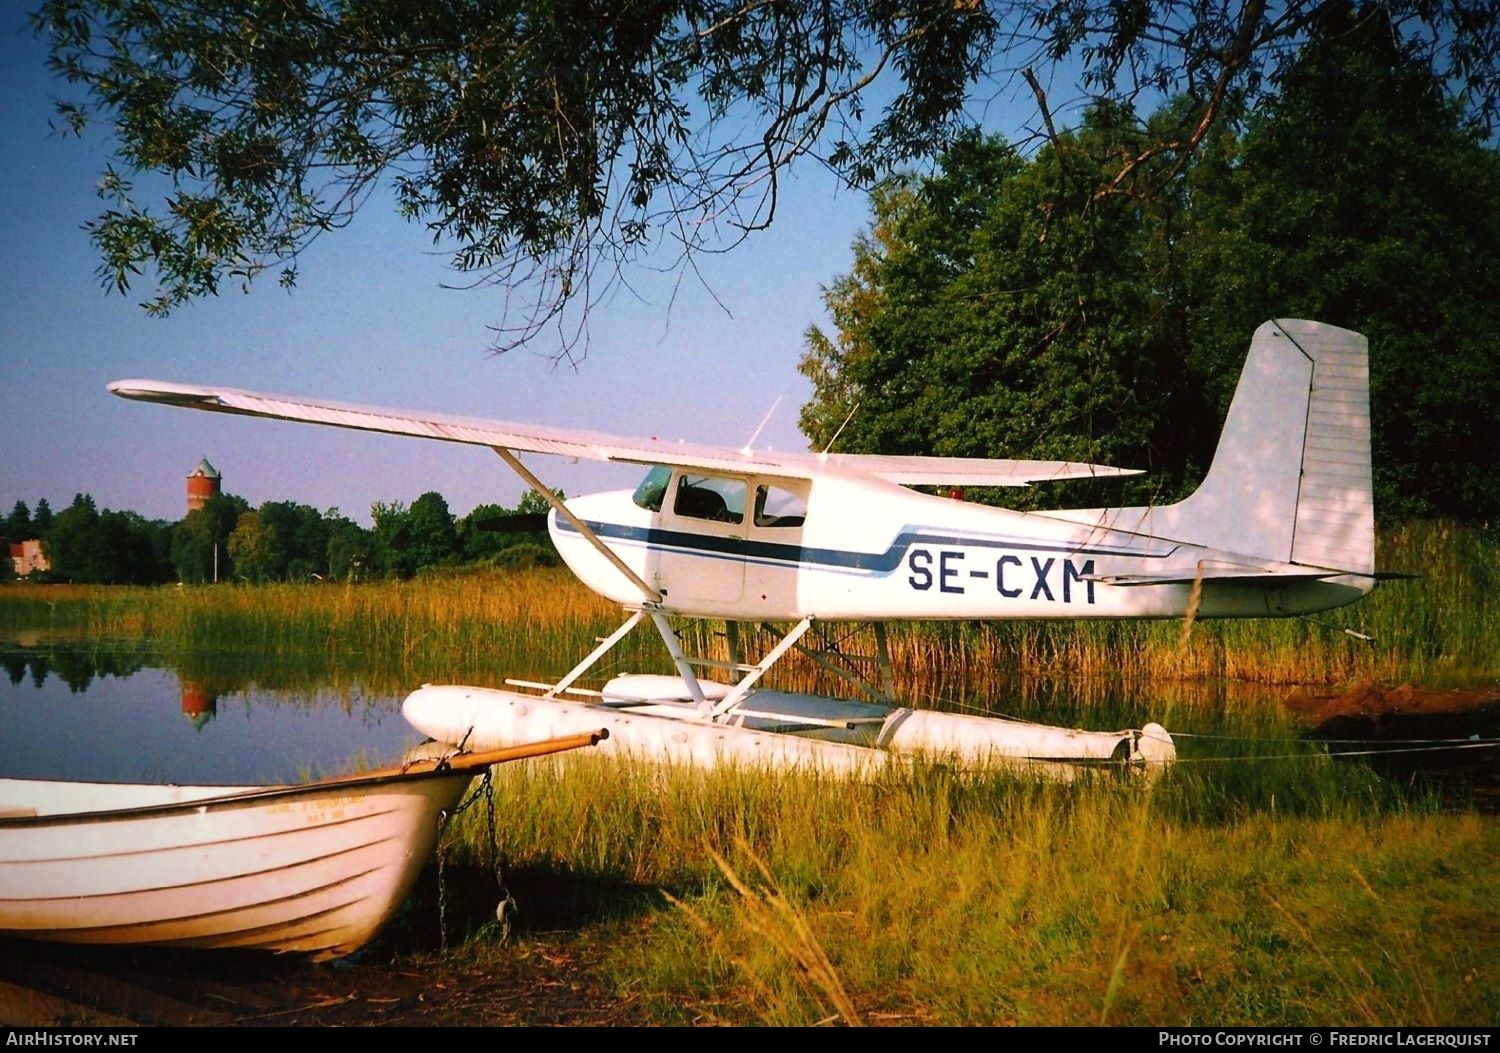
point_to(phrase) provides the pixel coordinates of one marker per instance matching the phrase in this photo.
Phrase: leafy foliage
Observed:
(85, 545)
(434, 539)
(349, 549)
(252, 548)
(279, 541)
(299, 537)
(407, 538)
(18, 526)
(989, 316)
(546, 145)
(1361, 198)
(535, 139)
(41, 519)
(199, 549)
(1000, 307)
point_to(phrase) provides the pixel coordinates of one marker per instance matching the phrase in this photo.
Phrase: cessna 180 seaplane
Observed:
(1282, 525)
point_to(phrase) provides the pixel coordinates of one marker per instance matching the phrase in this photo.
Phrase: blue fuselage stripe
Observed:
(710, 546)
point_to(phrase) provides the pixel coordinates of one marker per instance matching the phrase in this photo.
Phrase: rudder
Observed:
(1290, 480)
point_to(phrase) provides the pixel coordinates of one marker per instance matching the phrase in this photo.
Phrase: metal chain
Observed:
(442, 887)
(505, 910)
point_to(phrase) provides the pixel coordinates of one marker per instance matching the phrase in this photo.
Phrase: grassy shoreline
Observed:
(1306, 896)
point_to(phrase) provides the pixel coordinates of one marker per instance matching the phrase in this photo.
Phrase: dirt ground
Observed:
(1380, 706)
(550, 973)
(547, 974)
(539, 982)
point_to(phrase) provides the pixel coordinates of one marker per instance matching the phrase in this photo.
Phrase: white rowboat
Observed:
(316, 868)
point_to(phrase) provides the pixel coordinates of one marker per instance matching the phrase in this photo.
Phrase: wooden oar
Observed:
(461, 762)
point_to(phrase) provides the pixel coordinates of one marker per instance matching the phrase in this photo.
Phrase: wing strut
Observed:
(650, 594)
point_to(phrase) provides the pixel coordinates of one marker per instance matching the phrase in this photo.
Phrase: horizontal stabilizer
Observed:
(971, 471)
(1215, 577)
(1286, 574)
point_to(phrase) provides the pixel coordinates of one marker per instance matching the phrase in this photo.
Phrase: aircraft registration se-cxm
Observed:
(1283, 524)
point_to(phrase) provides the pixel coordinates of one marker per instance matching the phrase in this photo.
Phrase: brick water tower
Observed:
(202, 483)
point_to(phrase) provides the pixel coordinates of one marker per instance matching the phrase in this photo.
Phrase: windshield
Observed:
(653, 488)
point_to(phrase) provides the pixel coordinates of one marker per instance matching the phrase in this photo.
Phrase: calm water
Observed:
(118, 712)
(72, 716)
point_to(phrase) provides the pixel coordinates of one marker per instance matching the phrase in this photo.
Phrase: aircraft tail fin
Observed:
(1290, 479)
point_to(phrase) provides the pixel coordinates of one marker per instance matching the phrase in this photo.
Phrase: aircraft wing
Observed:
(596, 446)
(528, 438)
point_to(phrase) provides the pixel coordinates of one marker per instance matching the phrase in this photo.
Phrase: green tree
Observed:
(1010, 311)
(392, 551)
(199, 542)
(131, 550)
(253, 549)
(1359, 196)
(350, 548)
(433, 537)
(103, 548)
(299, 543)
(18, 526)
(477, 540)
(532, 503)
(72, 545)
(551, 144)
(41, 519)
(490, 529)
(159, 533)
(986, 316)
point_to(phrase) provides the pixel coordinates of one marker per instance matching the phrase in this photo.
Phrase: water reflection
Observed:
(121, 713)
(76, 668)
(198, 704)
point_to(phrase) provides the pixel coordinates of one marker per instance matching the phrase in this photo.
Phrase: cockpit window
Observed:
(711, 497)
(653, 488)
(776, 507)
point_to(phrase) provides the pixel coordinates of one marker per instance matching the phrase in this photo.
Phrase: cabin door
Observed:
(702, 547)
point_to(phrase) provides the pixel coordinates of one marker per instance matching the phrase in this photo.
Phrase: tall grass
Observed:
(1307, 895)
(480, 627)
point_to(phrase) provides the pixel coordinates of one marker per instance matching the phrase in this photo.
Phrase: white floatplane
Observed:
(1282, 525)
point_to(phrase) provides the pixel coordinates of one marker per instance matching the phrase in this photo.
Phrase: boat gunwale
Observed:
(251, 795)
(456, 765)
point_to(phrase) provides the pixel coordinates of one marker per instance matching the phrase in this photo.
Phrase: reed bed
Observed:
(480, 627)
(1443, 628)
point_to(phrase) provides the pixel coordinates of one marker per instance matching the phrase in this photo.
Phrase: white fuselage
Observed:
(864, 549)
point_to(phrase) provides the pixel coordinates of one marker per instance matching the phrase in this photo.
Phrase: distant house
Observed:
(27, 556)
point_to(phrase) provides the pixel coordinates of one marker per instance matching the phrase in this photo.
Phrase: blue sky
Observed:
(367, 323)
